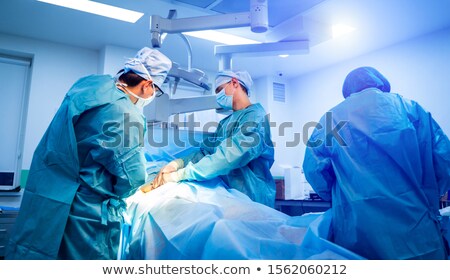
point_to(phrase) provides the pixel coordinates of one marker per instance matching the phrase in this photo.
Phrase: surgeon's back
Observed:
(385, 178)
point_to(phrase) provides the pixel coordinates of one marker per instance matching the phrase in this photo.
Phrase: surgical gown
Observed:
(241, 153)
(88, 160)
(385, 179)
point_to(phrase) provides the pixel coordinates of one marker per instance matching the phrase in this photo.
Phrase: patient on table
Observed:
(209, 220)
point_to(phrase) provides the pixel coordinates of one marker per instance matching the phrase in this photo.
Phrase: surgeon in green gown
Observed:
(240, 152)
(90, 158)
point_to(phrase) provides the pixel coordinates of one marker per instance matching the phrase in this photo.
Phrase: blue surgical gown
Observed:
(241, 153)
(385, 178)
(89, 158)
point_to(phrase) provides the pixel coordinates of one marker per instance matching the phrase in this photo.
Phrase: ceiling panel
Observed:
(232, 6)
(280, 11)
(198, 3)
(378, 23)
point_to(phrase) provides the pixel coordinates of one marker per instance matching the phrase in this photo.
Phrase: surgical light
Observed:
(341, 29)
(98, 9)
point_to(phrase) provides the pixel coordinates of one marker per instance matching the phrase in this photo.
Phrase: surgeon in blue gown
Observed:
(89, 159)
(240, 152)
(384, 171)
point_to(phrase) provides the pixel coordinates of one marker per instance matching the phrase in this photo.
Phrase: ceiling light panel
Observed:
(98, 9)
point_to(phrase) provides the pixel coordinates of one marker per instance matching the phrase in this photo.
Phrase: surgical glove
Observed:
(172, 166)
(172, 177)
(145, 188)
(163, 178)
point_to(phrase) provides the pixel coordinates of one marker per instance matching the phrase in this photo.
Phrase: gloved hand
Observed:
(159, 180)
(163, 178)
(172, 166)
(145, 188)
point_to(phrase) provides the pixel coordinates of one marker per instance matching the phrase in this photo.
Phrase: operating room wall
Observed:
(282, 125)
(55, 67)
(418, 69)
(112, 58)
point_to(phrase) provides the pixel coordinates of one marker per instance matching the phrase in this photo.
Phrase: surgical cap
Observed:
(363, 78)
(243, 77)
(150, 64)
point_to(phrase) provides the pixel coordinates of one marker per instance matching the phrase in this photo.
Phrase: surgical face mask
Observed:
(141, 102)
(224, 101)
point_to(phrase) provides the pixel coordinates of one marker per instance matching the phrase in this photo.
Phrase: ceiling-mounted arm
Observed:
(226, 53)
(189, 50)
(173, 15)
(225, 62)
(159, 25)
(257, 18)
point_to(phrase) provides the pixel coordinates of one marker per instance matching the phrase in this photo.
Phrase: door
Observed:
(13, 105)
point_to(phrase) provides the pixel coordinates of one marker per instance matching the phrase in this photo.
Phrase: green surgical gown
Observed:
(241, 153)
(88, 160)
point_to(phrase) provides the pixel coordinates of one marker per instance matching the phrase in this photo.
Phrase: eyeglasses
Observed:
(158, 91)
(221, 87)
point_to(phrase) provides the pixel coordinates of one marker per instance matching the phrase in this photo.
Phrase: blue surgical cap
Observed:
(243, 77)
(362, 78)
(150, 64)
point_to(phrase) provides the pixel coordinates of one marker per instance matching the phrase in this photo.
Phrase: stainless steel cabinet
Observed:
(7, 221)
(9, 209)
